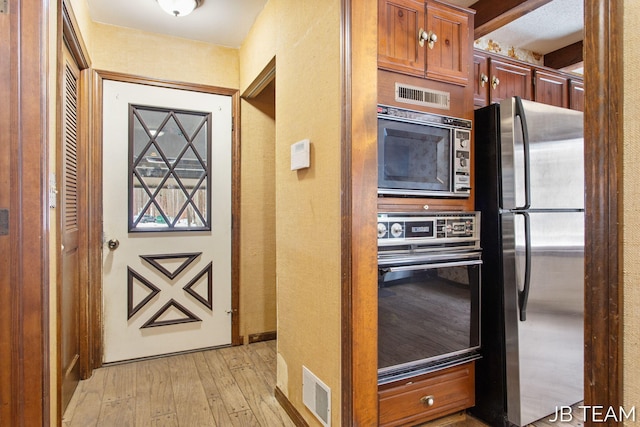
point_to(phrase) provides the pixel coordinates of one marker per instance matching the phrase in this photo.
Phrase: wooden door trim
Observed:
(59, 225)
(359, 39)
(95, 178)
(24, 329)
(69, 35)
(603, 155)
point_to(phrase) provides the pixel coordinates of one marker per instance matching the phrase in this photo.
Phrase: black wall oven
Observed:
(423, 154)
(428, 292)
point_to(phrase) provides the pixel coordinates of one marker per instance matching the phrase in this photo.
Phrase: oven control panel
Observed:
(433, 228)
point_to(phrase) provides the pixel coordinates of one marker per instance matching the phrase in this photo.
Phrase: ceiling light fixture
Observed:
(179, 7)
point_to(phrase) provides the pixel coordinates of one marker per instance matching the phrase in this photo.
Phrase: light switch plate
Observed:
(300, 155)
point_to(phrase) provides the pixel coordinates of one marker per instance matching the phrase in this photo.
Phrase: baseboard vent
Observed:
(420, 96)
(316, 396)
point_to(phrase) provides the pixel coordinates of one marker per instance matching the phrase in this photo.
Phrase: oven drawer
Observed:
(427, 397)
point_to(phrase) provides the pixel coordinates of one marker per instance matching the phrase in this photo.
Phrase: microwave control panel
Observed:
(462, 161)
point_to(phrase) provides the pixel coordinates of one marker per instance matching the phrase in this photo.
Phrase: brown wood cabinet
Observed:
(481, 80)
(427, 39)
(507, 80)
(551, 88)
(497, 77)
(576, 95)
(427, 397)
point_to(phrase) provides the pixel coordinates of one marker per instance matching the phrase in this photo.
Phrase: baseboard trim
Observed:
(263, 336)
(289, 408)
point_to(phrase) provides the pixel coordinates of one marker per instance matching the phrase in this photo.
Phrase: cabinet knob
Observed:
(495, 82)
(427, 400)
(429, 37)
(483, 79)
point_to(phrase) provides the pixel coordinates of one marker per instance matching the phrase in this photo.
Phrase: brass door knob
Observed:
(495, 82)
(113, 244)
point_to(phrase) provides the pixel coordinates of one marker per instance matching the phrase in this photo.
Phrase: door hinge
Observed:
(4, 222)
(4, 6)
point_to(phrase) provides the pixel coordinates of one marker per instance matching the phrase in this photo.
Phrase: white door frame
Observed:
(95, 228)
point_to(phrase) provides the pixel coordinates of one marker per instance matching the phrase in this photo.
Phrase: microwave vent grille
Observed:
(421, 96)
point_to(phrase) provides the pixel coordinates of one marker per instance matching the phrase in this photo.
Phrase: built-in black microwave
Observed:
(423, 154)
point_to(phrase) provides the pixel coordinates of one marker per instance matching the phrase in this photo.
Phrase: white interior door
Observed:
(167, 220)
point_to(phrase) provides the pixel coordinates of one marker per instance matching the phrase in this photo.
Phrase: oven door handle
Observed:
(426, 258)
(415, 267)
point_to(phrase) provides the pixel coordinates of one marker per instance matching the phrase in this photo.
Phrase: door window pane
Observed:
(169, 176)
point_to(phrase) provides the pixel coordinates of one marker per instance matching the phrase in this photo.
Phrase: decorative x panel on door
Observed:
(141, 291)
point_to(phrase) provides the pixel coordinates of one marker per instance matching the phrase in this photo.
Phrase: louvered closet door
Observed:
(167, 220)
(69, 232)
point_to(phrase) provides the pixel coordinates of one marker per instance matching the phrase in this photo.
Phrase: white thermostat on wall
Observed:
(300, 155)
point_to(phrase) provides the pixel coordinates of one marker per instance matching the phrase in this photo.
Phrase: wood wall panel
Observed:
(359, 193)
(24, 340)
(603, 236)
(5, 238)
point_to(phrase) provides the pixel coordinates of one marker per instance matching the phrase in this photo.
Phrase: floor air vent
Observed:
(316, 396)
(421, 96)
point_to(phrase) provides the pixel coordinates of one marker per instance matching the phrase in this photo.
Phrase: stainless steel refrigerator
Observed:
(530, 190)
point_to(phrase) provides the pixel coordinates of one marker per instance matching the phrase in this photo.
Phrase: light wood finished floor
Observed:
(224, 387)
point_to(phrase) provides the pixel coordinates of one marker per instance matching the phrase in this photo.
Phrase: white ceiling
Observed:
(555, 25)
(227, 22)
(220, 22)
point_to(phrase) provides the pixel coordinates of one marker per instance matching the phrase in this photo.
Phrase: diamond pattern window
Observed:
(169, 175)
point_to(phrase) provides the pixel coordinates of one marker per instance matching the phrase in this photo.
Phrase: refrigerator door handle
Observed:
(523, 295)
(519, 112)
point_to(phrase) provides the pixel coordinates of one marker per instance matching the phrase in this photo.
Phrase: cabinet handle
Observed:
(427, 400)
(495, 82)
(429, 37)
(483, 79)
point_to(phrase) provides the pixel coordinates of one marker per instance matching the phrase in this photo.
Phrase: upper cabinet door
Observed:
(399, 26)
(551, 89)
(509, 80)
(481, 80)
(447, 44)
(576, 95)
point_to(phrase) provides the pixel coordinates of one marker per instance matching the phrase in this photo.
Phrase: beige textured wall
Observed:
(258, 221)
(259, 46)
(305, 38)
(80, 9)
(631, 201)
(308, 226)
(157, 56)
